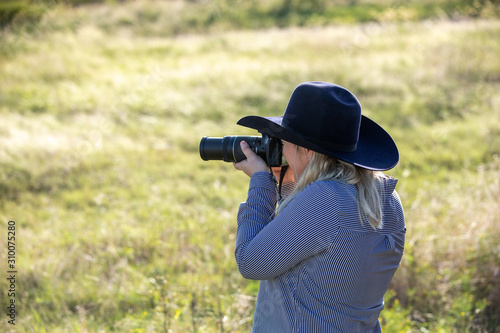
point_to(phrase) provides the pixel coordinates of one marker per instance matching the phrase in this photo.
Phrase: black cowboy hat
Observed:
(326, 118)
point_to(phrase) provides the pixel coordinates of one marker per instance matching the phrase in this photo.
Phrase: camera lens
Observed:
(227, 148)
(211, 148)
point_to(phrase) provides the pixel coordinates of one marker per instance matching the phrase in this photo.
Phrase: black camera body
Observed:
(228, 149)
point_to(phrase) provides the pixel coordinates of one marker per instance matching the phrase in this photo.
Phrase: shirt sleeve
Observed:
(268, 246)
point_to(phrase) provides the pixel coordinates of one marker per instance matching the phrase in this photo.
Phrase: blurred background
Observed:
(122, 227)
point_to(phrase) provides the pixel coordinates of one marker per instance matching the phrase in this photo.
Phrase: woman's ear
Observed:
(309, 154)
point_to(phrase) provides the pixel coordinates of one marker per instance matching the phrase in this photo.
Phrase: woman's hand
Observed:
(253, 163)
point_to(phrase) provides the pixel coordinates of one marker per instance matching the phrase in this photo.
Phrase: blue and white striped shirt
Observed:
(321, 270)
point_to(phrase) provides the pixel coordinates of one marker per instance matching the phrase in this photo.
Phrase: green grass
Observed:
(192, 16)
(122, 227)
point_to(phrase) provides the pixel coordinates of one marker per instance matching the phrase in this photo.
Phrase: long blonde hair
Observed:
(322, 167)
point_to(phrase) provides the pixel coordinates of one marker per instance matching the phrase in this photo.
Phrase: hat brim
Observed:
(375, 149)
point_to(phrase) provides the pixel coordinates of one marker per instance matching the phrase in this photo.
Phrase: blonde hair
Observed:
(322, 167)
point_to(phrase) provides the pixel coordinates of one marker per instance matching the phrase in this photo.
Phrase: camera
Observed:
(228, 149)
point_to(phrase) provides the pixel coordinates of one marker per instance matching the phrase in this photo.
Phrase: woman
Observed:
(326, 255)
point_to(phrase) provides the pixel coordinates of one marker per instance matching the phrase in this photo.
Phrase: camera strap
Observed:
(282, 176)
(280, 182)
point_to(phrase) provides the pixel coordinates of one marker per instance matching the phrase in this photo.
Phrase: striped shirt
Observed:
(321, 269)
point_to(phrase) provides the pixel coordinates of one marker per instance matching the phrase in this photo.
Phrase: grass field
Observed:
(120, 226)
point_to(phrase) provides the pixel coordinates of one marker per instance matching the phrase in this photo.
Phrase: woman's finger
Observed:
(247, 150)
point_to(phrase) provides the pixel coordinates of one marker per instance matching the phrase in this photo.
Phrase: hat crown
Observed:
(325, 114)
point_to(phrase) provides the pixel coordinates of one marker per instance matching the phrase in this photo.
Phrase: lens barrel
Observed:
(227, 148)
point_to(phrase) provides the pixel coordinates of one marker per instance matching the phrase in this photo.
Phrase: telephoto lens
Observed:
(228, 148)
